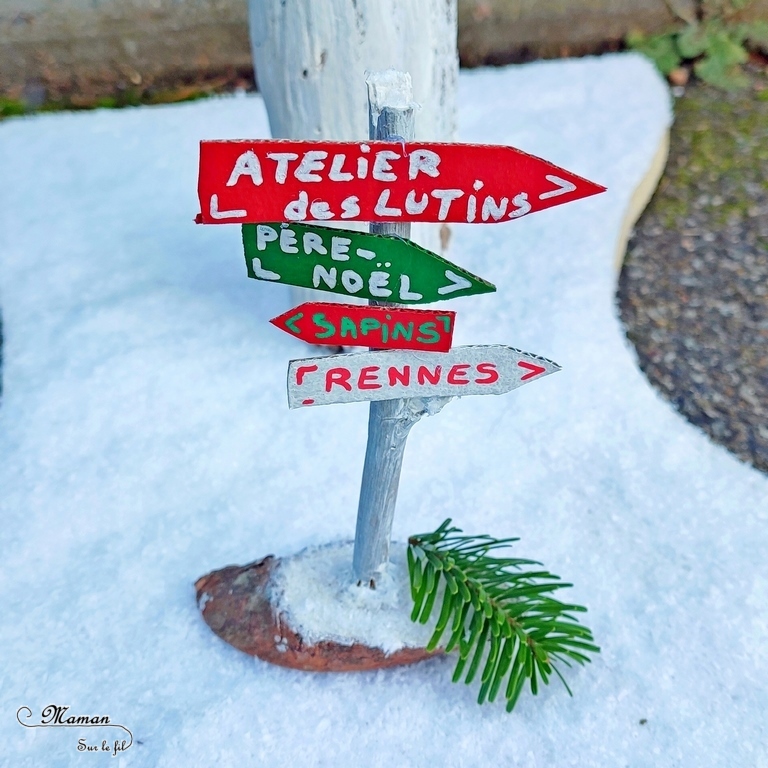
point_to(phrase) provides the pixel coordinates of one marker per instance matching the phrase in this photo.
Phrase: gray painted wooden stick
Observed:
(389, 421)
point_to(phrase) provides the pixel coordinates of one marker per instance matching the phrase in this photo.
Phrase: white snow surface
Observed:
(146, 440)
(316, 591)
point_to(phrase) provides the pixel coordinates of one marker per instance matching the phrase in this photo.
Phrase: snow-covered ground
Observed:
(145, 440)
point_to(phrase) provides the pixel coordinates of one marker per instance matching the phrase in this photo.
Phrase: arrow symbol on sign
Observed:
(458, 283)
(534, 369)
(263, 274)
(290, 323)
(238, 213)
(564, 187)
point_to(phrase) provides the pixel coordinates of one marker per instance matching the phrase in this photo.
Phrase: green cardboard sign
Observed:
(372, 266)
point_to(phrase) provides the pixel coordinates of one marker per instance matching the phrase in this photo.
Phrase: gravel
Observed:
(693, 293)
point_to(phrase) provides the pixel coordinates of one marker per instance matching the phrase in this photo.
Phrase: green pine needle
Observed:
(494, 612)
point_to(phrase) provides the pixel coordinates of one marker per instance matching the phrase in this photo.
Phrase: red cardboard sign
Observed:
(291, 181)
(353, 325)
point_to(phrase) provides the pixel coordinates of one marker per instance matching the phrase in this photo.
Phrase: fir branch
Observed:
(497, 611)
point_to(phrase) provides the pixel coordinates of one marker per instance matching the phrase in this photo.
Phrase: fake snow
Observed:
(146, 440)
(316, 591)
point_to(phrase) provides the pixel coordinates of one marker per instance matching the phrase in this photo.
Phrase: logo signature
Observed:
(55, 716)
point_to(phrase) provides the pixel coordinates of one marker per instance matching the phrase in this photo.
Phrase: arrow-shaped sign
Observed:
(386, 375)
(253, 181)
(353, 325)
(378, 267)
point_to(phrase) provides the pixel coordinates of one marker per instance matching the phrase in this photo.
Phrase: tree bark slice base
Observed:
(237, 604)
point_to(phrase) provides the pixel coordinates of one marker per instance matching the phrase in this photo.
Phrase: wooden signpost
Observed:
(272, 187)
(258, 181)
(352, 325)
(370, 266)
(474, 370)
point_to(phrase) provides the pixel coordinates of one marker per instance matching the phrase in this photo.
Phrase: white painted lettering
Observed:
(264, 235)
(312, 161)
(406, 294)
(260, 272)
(381, 206)
(446, 197)
(328, 276)
(471, 209)
(336, 173)
(320, 210)
(491, 210)
(282, 159)
(350, 207)
(412, 207)
(351, 281)
(382, 170)
(365, 254)
(296, 210)
(377, 284)
(362, 168)
(246, 165)
(237, 213)
(423, 160)
(340, 248)
(563, 187)
(313, 242)
(458, 283)
(288, 241)
(522, 206)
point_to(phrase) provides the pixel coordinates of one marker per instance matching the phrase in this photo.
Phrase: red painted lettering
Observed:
(455, 372)
(368, 378)
(489, 369)
(424, 375)
(302, 371)
(338, 376)
(399, 377)
(534, 369)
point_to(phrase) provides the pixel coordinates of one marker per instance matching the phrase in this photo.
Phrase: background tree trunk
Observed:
(311, 60)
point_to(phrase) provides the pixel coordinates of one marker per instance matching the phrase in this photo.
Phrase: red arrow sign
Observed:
(258, 181)
(369, 326)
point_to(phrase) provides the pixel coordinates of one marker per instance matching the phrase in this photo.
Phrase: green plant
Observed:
(716, 44)
(10, 107)
(496, 609)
